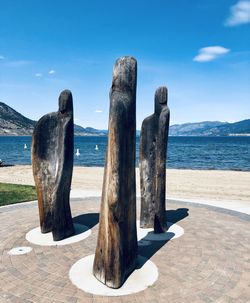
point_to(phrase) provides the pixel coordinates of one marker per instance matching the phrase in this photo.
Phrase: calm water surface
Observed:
(228, 153)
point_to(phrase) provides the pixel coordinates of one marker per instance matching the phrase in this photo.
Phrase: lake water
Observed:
(227, 153)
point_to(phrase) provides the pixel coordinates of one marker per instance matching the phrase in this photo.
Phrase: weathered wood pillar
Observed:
(52, 162)
(116, 251)
(152, 154)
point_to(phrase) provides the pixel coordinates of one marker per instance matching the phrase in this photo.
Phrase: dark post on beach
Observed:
(152, 154)
(116, 251)
(52, 162)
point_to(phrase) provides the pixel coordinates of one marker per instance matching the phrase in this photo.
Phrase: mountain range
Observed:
(211, 128)
(13, 123)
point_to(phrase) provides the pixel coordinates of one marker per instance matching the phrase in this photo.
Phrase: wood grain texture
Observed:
(52, 163)
(116, 250)
(152, 155)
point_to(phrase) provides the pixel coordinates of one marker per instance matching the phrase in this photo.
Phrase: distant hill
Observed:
(13, 123)
(88, 131)
(192, 129)
(232, 129)
(208, 128)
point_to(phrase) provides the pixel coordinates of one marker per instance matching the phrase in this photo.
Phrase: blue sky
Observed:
(199, 49)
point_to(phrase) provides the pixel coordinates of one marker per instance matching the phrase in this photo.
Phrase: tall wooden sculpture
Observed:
(116, 250)
(52, 161)
(153, 145)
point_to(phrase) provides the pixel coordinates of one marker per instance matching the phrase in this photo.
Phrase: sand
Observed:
(199, 185)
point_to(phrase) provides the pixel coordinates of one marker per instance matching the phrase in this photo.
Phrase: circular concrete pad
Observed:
(141, 278)
(145, 235)
(22, 250)
(36, 237)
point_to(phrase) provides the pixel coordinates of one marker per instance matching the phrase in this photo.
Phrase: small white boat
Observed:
(25, 146)
(96, 147)
(77, 152)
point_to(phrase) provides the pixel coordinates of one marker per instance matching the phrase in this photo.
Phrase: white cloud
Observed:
(98, 111)
(38, 75)
(51, 72)
(240, 13)
(210, 53)
(18, 63)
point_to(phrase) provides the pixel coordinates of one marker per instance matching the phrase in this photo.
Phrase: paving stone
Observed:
(209, 263)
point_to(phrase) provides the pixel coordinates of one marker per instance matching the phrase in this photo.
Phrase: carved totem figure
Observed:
(52, 162)
(152, 154)
(116, 251)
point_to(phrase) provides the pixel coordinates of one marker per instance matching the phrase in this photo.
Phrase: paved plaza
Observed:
(210, 262)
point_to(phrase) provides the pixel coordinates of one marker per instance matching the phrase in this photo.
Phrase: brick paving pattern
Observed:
(209, 263)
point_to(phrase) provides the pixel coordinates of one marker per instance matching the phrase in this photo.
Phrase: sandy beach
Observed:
(214, 185)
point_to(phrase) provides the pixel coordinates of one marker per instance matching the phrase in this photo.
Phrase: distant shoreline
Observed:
(179, 136)
(13, 123)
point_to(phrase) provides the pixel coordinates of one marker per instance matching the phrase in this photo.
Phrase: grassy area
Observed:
(15, 193)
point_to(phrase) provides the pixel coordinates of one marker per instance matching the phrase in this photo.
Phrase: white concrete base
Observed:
(145, 235)
(36, 237)
(82, 277)
(16, 251)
